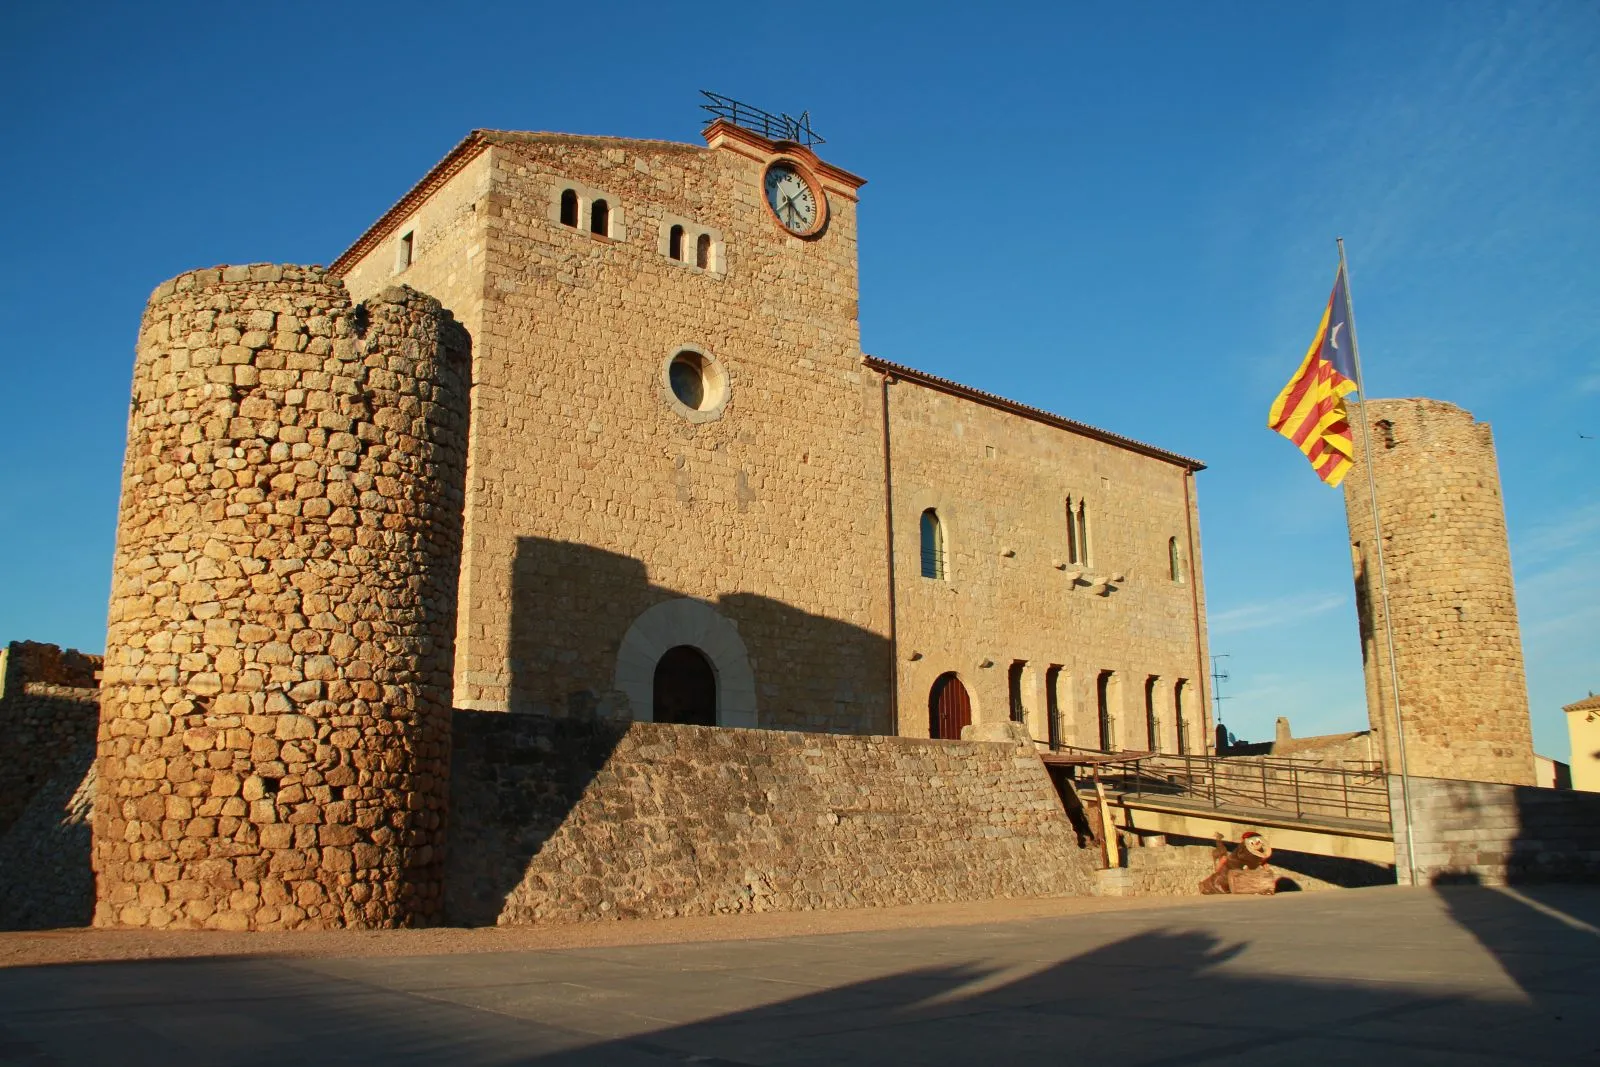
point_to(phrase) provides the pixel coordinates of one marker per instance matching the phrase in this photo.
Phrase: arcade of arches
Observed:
(1159, 729)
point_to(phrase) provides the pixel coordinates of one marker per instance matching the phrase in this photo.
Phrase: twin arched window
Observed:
(599, 213)
(932, 545)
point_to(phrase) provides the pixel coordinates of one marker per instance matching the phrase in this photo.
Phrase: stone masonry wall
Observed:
(999, 485)
(1457, 643)
(593, 499)
(1497, 834)
(275, 725)
(49, 707)
(564, 820)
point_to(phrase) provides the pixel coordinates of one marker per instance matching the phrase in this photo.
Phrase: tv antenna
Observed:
(1218, 676)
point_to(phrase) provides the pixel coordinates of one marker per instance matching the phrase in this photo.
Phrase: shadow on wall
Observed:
(572, 606)
(515, 778)
(1489, 833)
(1162, 996)
(45, 877)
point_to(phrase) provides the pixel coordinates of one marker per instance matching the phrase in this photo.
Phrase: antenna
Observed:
(1218, 676)
(772, 127)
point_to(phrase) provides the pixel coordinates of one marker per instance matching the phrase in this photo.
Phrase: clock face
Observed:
(791, 198)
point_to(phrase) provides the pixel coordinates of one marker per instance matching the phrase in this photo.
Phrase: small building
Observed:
(1583, 727)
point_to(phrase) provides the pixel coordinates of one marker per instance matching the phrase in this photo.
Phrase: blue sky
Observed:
(1123, 213)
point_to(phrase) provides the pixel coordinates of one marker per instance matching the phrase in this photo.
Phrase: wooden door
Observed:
(948, 708)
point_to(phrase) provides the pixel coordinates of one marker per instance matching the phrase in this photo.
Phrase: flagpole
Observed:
(1383, 577)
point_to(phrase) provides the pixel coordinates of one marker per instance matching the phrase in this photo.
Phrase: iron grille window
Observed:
(932, 545)
(1018, 712)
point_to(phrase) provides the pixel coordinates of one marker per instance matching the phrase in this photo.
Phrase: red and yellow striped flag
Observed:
(1310, 411)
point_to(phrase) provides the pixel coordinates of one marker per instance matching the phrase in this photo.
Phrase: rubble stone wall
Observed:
(275, 726)
(564, 820)
(49, 706)
(1458, 647)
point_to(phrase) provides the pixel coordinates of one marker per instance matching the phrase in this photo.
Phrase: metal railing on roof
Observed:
(772, 127)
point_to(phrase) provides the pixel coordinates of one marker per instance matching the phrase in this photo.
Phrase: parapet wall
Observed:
(567, 820)
(275, 723)
(1458, 646)
(1495, 834)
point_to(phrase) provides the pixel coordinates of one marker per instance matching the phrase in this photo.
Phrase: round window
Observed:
(697, 383)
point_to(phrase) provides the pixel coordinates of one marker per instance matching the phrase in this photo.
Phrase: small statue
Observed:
(1241, 870)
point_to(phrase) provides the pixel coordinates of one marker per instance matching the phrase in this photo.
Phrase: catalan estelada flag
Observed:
(1310, 411)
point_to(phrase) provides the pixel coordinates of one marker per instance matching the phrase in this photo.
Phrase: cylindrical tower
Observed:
(1457, 644)
(275, 721)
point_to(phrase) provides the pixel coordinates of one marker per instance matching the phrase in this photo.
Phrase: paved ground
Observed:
(1375, 976)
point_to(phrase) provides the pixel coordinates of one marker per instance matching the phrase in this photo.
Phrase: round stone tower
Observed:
(275, 720)
(1457, 644)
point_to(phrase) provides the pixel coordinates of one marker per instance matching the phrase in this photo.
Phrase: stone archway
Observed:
(694, 623)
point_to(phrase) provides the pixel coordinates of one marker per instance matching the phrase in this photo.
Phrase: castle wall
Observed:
(771, 510)
(275, 724)
(561, 819)
(49, 708)
(999, 485)
(1458, 646)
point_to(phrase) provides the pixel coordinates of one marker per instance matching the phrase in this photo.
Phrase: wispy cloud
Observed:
(1560, 542)
(1275, 612)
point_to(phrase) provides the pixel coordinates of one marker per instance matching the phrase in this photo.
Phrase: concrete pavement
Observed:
(1461, 975)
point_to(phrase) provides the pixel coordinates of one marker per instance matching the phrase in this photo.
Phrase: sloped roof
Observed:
(967, 392)
(1588, 703)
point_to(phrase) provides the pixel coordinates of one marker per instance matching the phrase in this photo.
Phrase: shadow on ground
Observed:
(1250, 981)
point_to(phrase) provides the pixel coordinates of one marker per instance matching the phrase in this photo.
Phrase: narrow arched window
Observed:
(675, 242)
(932, 545)
(1083, 535)
(600, 218)
(569, 208)
(702, 251)
(1074, 554)
(1174, 560)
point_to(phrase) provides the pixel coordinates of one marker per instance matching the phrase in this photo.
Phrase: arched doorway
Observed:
(948, 708)
(685, 688)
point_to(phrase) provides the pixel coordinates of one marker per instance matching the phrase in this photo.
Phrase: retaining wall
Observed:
(1497, 834)
(572, 820)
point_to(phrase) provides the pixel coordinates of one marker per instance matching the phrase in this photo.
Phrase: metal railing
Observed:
(1354, 792)
(772, 127)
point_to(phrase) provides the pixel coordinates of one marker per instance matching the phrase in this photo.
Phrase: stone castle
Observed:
(624, 462)
(439, 570)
